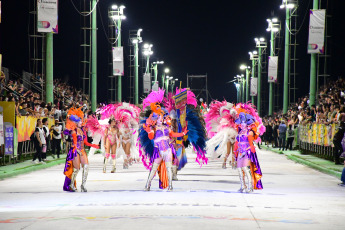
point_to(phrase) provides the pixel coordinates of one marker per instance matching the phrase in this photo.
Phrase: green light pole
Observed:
(273, 27)
(313, 61)
(49, 68)
(243, 88)
(287, 5)
(118, 16)
(166, 71)
(244, 67)
(260, 43)
(136, 40)
(154, 67)
(173, 85)
(94, 58)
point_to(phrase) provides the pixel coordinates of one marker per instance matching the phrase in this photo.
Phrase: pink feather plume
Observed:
(153, 97)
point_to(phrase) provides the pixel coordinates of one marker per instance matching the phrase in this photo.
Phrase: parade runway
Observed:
(294, 197)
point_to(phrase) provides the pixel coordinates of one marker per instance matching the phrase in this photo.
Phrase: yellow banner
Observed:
(9, 111)
(26, 126)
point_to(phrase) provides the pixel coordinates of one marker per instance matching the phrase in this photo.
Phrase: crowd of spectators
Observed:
(329, 109)
(28, 102)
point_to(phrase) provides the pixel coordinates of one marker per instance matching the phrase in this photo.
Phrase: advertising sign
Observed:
(254, 86)
(147, 83)
(118, 69)
(272, 69)
(316, 31)
(47, 16)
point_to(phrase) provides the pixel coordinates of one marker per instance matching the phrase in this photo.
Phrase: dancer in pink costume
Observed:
(120, 132)
(221, 129)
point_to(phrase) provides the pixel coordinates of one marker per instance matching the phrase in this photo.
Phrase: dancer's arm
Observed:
(74, 140)
(251, 140)
(173, 134)
(89, 144)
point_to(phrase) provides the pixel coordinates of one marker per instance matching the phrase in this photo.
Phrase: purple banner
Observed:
(9, 140)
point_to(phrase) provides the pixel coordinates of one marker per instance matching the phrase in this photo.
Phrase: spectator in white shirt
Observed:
(56, 142)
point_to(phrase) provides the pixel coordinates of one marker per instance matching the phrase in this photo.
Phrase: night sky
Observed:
(195, 37)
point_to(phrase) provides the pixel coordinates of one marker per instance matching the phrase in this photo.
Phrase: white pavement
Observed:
(294, 197)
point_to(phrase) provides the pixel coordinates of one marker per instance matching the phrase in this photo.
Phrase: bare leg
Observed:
(228, 147)
(113, 156)
(128, 153)
(107, 155)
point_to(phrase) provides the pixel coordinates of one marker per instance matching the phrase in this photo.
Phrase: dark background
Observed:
(195, 37)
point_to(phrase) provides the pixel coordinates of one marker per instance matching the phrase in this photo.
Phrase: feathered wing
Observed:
(197, 135)
(146, 145)
(94, 126)
(213, 116)
(217, 145)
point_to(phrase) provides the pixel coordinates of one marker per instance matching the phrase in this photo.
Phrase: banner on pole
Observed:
(47, 16)
(316, 31)
(155, 86)
(118, 69)
(254, 86)
(8, 139)
(147, 83)
(272, 69)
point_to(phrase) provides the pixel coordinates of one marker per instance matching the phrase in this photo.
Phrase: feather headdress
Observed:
(74, 116)
(256, 124)
(154, 97)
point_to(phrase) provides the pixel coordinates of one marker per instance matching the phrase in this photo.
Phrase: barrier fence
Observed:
(317, 138)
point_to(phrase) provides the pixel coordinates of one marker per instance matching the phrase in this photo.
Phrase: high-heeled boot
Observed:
(151, 176)
(170, 175)
(73, 178)
(105, 162)
(249, 178)
(84, 178)
(240, 173)
(114, 163)
(174, 171)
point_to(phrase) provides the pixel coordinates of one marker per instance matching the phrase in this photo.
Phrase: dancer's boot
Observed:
(151, 176)
(106, 159)
(113, 156)
(170, 175)
(73, 178)
(174, 171)
(84, 178)
(249, 178)
(240, 173)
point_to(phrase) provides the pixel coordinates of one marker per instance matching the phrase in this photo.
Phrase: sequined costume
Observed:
(157, 139)
(76, 154)
(249, 126)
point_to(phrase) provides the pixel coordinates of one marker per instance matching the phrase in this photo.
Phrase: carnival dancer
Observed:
(221, 129)
(182, 107)
(122, 119)
(111, 142)
(155, 136)
(249, 126)
(76, 154)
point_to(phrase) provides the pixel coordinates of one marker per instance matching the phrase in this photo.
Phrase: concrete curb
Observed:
(315, 166)
(32, 168)
(306, 163)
